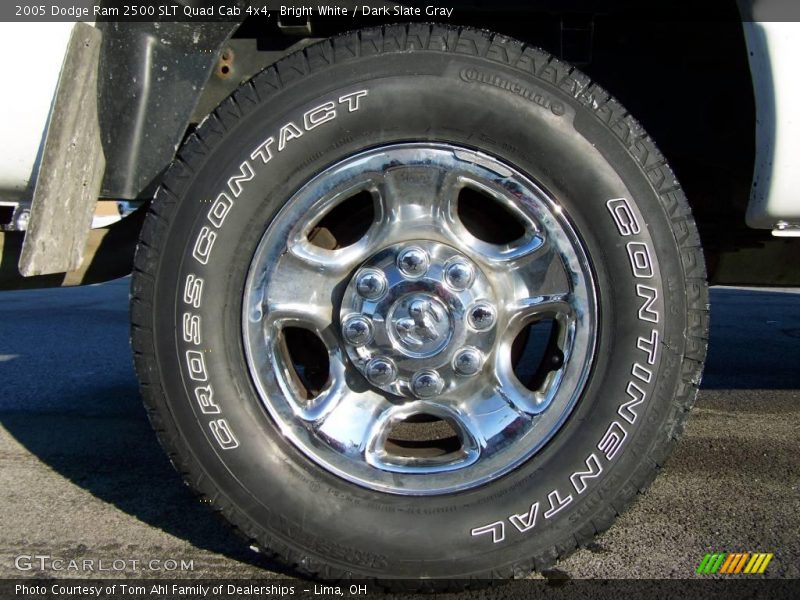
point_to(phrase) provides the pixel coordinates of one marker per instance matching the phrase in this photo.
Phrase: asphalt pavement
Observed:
(82, 476)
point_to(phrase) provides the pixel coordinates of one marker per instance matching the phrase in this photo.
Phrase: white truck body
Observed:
(774, 52)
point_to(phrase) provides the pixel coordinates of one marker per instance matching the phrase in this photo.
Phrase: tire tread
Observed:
(351, 47)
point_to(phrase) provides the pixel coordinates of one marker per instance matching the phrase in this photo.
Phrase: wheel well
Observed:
(684, 75)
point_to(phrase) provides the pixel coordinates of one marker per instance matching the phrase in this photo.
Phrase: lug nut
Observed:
(413, 262)
(482, 316)
(467, 361)
(371, 284)
(357, 330)
(459, 275)
(426, 384)
(381, 371)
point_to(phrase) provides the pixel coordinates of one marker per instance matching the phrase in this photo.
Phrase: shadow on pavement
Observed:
(71, 396)
(755, 340)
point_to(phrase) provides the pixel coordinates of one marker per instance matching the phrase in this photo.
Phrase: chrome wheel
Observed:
(421, 322)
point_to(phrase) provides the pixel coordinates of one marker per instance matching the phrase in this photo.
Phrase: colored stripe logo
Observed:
(734, 563)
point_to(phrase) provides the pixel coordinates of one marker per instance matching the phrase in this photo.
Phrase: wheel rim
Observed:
(420, 321)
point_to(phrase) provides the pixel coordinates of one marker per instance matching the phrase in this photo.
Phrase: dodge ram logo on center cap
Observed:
(423, 323)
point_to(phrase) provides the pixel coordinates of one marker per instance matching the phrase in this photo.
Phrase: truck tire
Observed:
(419, 301)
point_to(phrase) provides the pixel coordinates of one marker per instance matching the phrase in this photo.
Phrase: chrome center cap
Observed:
(420, 325)
(418, 319)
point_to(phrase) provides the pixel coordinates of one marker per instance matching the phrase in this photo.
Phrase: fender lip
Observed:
(141, 65)
(773, 196)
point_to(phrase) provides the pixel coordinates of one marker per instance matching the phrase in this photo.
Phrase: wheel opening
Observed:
(6, 215)
(308, 358)
(422, 436)
(345, 223)
(535, 353)
(488, 219)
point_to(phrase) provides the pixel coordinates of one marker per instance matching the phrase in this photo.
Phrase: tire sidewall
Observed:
(543, 132)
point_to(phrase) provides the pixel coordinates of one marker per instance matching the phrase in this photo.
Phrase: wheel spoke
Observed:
(348, 418)
(318, 317)
(299, 292)
(515, 394)
(376, 448)
(505, 256)
(487, 419)
(502, 256)
(444, 207)
(334, 264)
(557, 306)
(414, 201)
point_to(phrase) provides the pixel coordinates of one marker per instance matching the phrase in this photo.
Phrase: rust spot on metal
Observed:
(224, 68)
